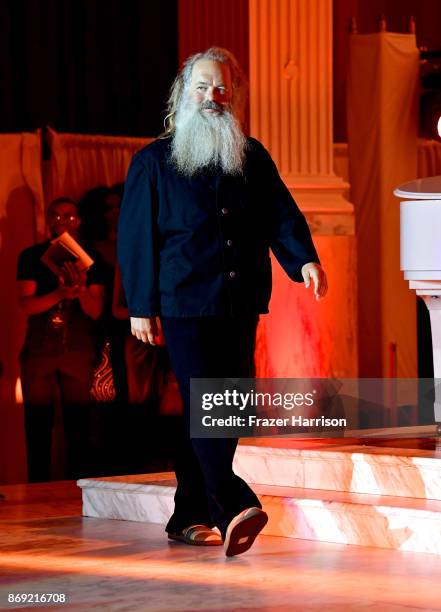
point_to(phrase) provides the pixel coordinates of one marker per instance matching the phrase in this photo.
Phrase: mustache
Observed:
(212, 105)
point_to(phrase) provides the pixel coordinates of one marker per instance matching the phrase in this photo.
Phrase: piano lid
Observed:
(428, 188)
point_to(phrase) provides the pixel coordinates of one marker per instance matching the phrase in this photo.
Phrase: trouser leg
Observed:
(76, 376)
(211, 347)
(187, 359)
(191, 503)
(38, 380)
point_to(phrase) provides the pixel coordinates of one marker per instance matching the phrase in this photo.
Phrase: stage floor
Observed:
(47, 547)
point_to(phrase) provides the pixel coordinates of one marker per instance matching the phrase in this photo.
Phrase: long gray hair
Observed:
(182, 81)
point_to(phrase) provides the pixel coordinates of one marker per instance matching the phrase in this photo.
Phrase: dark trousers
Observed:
(69, 376)
(208, 491)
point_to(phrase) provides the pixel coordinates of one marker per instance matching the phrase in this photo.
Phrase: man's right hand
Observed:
(146, 329)
(67, 292)
(71, 282)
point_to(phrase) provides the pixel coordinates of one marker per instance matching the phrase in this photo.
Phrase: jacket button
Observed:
(232, 274)
(229, 243)
(224, 211)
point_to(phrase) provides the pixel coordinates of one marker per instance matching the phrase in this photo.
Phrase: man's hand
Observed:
(72, 281)
(73, 276)
(313, 271)
(147, 329)
(67, 292)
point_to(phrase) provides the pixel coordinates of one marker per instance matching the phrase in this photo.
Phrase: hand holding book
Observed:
(68, 260)
(65, 250)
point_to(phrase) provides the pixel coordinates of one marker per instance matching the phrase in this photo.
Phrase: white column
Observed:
(291, 100)
(291, 114)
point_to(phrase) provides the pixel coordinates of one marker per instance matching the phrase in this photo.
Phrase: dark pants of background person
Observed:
(70, 374)
(208, 491)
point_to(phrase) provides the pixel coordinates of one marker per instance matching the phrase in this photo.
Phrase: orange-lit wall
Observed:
(205, 23)
(21, 201)
(305, 338)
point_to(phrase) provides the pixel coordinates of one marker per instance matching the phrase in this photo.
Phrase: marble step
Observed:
(373, 470)
(327, 516)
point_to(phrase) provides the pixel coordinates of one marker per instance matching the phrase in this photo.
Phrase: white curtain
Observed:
(79, 163)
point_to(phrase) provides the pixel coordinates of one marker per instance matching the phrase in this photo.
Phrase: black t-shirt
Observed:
(65, 326)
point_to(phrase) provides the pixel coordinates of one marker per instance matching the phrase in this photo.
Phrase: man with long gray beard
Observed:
(202, 206)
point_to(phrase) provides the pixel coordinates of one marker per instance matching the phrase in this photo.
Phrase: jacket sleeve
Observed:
(138, 240)
(290, 238)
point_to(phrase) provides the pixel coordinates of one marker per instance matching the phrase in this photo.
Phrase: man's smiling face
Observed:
(211, 86)
(207, 132)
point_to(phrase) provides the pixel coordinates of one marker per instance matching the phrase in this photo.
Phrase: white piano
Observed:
(420, 214)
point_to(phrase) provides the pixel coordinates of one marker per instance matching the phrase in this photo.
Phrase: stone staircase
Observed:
(369, 495)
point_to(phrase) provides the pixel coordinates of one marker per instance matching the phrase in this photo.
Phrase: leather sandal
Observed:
(243, 530)
(197, 535)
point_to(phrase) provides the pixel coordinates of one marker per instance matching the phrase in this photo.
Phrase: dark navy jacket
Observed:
(199, 246)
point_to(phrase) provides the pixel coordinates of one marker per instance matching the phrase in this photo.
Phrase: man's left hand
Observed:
(314, 271)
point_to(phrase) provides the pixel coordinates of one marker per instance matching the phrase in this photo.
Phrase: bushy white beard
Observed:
(200, 140)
